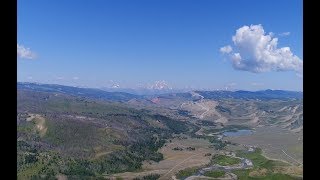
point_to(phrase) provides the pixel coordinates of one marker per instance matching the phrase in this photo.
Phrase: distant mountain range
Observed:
(158, 87)
(144, 91)
(118, 94)
(262, 95)
(76, 91)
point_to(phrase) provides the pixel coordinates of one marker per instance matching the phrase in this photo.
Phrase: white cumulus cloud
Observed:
(25, 53)
(226, 49)
(255, 51)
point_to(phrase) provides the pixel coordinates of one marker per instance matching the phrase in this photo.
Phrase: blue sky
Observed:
(130, 42)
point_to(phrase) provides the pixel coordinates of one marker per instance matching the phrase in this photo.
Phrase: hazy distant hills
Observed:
(76, 91)
(128, 94)
(262, 95)
(144, 91)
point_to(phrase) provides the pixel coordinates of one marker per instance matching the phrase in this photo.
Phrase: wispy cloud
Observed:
(226, 49)
(284, 34)
(255, 51)
(75, 78)
(25, 53)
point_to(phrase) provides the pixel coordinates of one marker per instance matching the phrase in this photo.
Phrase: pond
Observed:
(241, 132)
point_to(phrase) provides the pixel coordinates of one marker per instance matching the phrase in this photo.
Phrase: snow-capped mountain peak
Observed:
(160, 85)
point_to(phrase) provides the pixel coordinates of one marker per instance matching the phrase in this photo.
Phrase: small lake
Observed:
(241, 132)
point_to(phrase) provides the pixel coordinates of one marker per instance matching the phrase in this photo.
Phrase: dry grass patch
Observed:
(258, 172)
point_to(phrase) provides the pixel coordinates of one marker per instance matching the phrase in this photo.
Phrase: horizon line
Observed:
(172, 89)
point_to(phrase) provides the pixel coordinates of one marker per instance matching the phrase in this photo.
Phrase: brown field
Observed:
(276, 143)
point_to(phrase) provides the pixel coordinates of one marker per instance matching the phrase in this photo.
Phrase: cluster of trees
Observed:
(191, 148)
(182, 174)
(176, 126)
(218, 144)
(148, 177)
(208, 123)
(223, 109)
(177, 149)
(129, 159)
(181, 149)
(50, 164)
